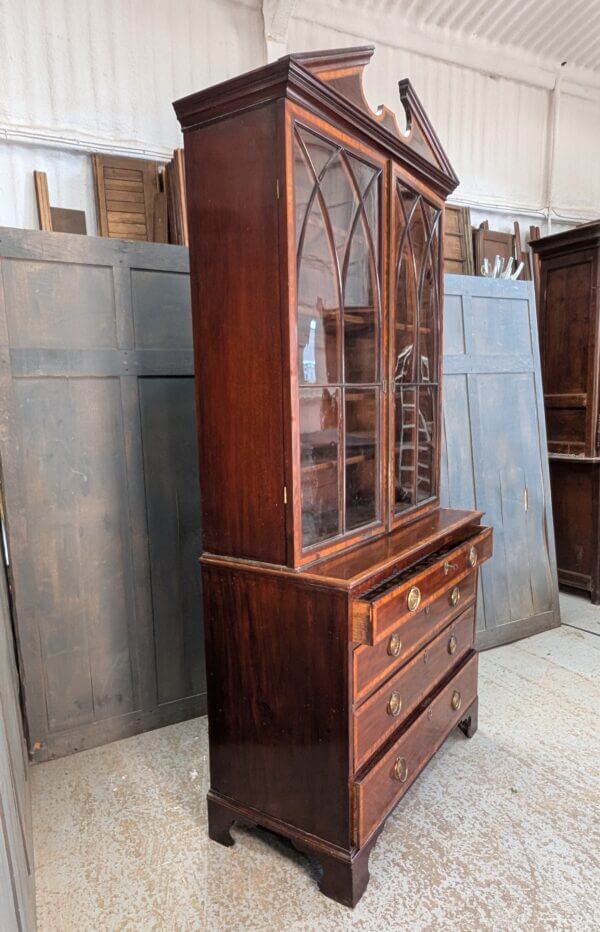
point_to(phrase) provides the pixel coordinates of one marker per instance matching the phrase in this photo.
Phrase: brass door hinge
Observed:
(277, 188)
(285, 495)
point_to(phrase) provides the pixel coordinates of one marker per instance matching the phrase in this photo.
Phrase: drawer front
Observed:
(373, 665)
(379, 716)
(385, 783)
(376, 613)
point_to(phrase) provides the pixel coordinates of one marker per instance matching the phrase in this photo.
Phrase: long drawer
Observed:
(376, 612)
(373, 665)
(378, 791)
(378, 717)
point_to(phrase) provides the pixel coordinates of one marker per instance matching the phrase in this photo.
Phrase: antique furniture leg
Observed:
(469, 723)
(345, 881)
(220, 820)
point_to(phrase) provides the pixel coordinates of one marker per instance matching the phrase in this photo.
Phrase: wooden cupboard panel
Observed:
(168, 420)
(55, 295)
(240, 398)
(161, 310)
(565, 329)
(575, 493)
(277, 656)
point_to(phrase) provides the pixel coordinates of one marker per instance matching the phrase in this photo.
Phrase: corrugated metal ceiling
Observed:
(548, 32)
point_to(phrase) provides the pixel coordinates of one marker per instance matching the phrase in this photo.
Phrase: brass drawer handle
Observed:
(394, 645)
(454, 596)
(472, 557)
(394, 706)
(449, 566)
(452, 645)
(456, 700)
(401, 770)
(414, 599)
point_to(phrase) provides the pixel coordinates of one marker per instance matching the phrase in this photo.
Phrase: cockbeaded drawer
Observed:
(376, 612)
(377, 718)
(378, 791)
(373, 665)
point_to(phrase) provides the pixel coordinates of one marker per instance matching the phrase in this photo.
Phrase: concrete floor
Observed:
(499, 833)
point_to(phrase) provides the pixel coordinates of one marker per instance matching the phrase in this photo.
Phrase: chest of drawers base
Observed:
(315, 735)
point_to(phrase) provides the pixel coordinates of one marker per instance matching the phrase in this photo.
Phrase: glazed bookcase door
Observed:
(415, 300)
(339, 328)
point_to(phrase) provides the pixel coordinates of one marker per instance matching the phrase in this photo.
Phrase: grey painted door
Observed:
(17, 902)
(97, 440)
(494, 451)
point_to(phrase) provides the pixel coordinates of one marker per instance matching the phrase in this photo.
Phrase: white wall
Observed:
(494, 129)
(78, 76)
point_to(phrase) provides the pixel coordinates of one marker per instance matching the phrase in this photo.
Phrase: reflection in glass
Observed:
(406, 319)
(361, 301)
(362, 422)
(319, 454)
(404, 448)
(428, 302)
(426, 433)
(319, 325)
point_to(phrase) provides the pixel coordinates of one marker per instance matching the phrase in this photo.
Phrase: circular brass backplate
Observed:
(401, 770)
(456, 700)
(473, 556)
(454, 596)
(394, 706)
(414, 599)
(452, 645)
(394, 645)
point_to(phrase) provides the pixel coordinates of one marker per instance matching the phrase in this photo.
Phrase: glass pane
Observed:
(361, 299)
(363, 173)
(362, 441)
(319, 320)
(319, 455)
(404, 448)
(320, 151)
(426, 443)
(341, 204)
(405, 319)
(427, 325)
(428, 306)
(419, 236)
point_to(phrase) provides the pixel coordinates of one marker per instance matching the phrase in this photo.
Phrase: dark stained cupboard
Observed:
(569, 322)
(330, 574)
